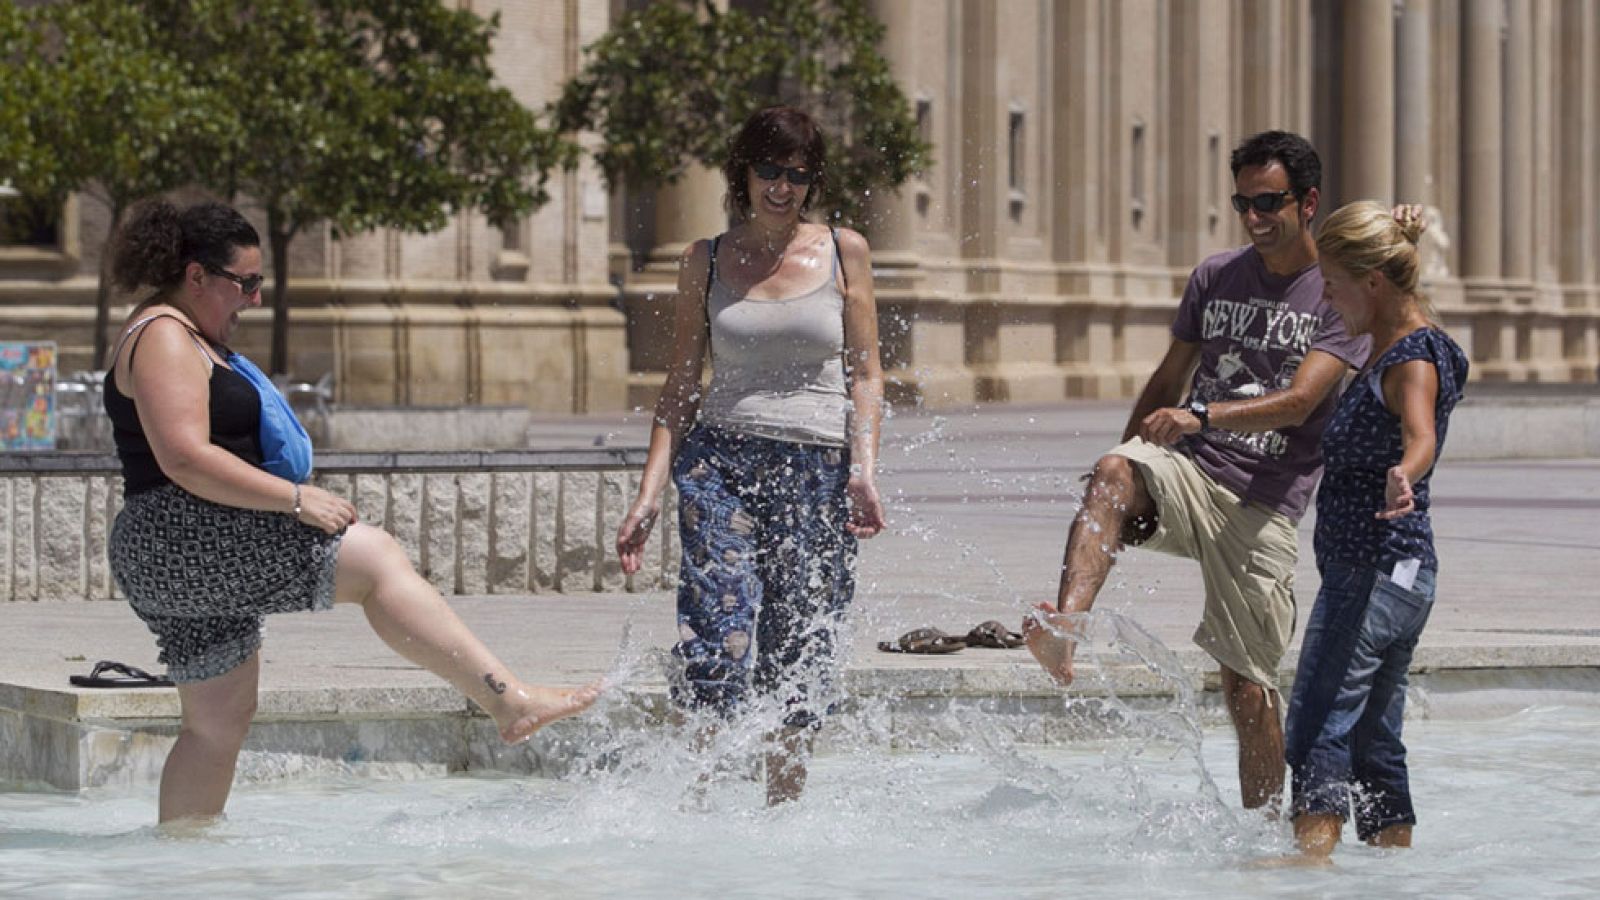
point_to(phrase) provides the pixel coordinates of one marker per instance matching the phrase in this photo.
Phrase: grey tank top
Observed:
(777, 366)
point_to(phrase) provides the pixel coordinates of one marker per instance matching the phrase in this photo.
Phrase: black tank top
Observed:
(235, 420)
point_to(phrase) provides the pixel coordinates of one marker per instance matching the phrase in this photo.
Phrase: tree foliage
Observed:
(672, 82)
(96, 103)
(364, 114)
(19, 74)
(358, 113)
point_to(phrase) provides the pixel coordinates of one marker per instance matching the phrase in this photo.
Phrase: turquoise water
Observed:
(1506, 809)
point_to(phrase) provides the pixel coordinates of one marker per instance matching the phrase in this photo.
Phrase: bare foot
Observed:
(535, 707)
(1052, 638)
(189, 827)
(1292, 861)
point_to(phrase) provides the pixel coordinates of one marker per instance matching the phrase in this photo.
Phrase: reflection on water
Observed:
(1130, 815)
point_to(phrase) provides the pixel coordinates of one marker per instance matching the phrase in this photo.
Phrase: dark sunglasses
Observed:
(769, 171)
(1270, 202)
(248, 284)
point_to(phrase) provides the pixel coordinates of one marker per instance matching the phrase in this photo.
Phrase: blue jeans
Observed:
(1350, 694)
(768, 570)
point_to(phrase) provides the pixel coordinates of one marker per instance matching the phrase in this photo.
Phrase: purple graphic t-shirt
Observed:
(1254, 329)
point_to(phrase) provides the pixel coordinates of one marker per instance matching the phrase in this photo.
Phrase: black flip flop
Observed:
(993, 634)
(130, 678)
(929, 641)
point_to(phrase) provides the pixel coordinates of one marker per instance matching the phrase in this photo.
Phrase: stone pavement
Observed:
(979, 504)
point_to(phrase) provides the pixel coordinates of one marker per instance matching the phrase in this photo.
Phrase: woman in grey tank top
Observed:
(775, 464)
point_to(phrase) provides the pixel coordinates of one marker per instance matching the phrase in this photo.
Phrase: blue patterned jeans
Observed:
(765, 552)
(1349, 697)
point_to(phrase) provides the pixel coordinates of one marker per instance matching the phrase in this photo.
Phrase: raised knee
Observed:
(375, 554)
(1114, 471)
(388, 550)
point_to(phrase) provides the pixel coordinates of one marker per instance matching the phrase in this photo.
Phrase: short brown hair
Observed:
(769, 135)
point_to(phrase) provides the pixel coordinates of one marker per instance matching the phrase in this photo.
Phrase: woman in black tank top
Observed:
(208, 541)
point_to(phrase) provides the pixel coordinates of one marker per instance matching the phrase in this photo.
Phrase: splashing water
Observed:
(1100, 791)
(1104, 817)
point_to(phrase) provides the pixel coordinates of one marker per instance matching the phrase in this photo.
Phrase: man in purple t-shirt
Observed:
(1224, 475)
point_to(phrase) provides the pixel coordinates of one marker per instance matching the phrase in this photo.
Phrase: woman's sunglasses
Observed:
(1270, 202)
(248, 284)
(769, 171)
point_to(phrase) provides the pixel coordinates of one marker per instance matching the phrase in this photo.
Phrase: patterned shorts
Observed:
(201, 575)
(768, 570)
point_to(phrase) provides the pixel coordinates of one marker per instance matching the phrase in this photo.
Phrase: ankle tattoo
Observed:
(499, 687)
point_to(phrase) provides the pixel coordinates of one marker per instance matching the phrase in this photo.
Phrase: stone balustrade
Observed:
(487, 522)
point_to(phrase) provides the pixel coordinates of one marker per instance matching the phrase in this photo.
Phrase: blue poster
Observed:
(27, 395)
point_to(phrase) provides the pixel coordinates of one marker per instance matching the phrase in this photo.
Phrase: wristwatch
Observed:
(1199, 410)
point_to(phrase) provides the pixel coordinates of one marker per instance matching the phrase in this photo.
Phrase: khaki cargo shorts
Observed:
(1246, 552)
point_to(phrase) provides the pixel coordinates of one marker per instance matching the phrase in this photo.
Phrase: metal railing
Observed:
(81, 421)
(312, 401)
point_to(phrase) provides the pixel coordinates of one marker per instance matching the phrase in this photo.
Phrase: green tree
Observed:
(19, 52)
(92, 102)
(363, 114)
(672, 81)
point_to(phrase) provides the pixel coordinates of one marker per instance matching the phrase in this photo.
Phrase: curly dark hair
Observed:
(771, 134)
(1298, 158)
(157, 241)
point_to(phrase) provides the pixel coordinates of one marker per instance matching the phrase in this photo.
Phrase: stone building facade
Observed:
(1080, 171)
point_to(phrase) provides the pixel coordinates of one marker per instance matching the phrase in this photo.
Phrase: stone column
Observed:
(683, 212)
(1546, 67)
(687, 210)
(892, 214)
(1518, 168)
(920, 336)
(1414, 104)
(1482, 119)
(1262, 53)
(1367, 111)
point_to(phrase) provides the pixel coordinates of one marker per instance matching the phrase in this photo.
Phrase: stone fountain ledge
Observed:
(67, 738)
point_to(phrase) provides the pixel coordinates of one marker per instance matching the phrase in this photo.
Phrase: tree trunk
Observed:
(102, 293)
(279, 234)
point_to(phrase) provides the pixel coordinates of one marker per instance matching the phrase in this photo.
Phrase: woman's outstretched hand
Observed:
(1397, 497)
(633, 534)
(327, 511)
(866, 509)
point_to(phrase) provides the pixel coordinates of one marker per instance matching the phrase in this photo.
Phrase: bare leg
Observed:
(216, 717)
(1393, 837)
(410, 616)
(786, 765)
(1254, 710)
(1116, 499)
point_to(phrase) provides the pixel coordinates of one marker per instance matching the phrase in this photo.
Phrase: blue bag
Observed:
(285, 446)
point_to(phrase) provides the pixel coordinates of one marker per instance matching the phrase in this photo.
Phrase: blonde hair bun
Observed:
(1412, 221)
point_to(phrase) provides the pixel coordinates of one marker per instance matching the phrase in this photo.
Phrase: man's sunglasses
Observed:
(248, 284)
(1270, 202)
(769, 171)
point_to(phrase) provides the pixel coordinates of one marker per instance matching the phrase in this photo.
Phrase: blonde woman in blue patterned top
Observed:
(1374, 538)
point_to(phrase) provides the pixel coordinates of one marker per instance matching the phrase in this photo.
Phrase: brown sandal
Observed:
(930, 641)
(993, 634)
